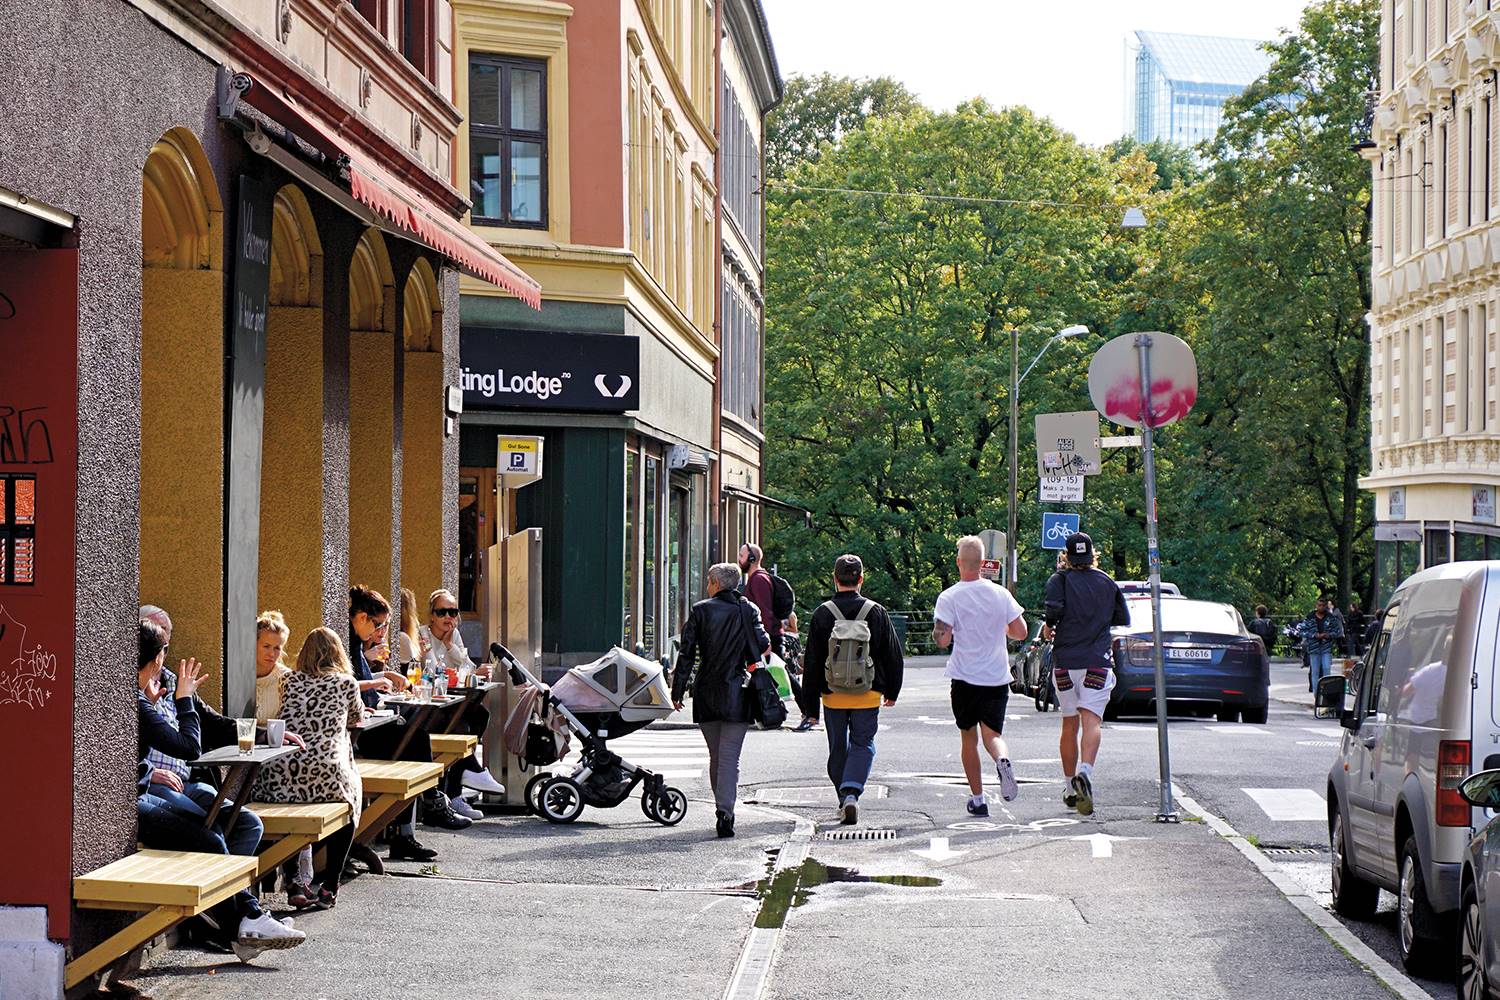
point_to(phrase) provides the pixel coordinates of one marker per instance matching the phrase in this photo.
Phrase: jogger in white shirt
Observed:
(976, 616)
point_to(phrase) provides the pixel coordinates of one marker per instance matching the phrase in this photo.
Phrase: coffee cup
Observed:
(275, 732)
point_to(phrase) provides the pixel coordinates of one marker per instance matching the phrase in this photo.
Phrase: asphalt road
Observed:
(1033, 902)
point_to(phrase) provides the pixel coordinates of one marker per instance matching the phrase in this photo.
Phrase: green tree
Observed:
(818, 111)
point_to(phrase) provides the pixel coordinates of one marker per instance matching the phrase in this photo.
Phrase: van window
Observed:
(1419, 649)
(1373, 698)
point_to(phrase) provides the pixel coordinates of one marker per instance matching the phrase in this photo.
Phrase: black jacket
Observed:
(1082, 605)
(885, 651)
(721, 636)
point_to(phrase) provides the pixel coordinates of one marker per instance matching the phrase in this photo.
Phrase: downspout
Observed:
(716, 474)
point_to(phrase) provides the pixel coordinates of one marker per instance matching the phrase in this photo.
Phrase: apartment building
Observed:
(229, 248)
(1435, 450)
(593, 156)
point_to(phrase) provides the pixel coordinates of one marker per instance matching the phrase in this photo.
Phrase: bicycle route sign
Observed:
(1056, 528)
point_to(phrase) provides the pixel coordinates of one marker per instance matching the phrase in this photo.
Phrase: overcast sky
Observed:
(1064, 59)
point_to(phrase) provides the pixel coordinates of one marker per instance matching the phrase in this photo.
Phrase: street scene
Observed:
(750, 499)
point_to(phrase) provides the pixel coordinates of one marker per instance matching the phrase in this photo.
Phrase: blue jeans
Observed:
(1319, 665)
(851, 746)
(196, 799)
(173, 822)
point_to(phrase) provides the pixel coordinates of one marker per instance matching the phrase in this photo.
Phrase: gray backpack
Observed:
(849, 669)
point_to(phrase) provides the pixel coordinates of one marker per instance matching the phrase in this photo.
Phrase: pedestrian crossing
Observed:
(1290, 805)
(672, 753)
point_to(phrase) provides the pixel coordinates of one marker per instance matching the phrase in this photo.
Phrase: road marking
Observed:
(681, 774)
(1040, 760)
(1323, 731)
(1299, 897)
(938, 850)
(1239, 730)
(1102, 844)
(1290, 805)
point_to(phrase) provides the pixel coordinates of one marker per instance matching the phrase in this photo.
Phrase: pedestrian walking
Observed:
(975, 617)
(761, 591)
(853, 665)
(1079, 609)
(1262, 626)
(1321, 632)
(1354, 628)
(791, 654)
(722, 636)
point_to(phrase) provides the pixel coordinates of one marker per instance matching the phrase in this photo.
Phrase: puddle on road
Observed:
(783, 890)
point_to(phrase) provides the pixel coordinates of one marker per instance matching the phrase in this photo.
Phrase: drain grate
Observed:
(1292, 852)
(858, 834)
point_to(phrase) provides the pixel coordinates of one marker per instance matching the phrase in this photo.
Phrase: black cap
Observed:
(1080, 549)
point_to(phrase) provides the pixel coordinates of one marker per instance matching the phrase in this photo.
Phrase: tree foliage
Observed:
(818, 111)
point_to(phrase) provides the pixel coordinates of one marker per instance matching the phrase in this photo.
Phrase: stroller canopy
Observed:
(617, 682)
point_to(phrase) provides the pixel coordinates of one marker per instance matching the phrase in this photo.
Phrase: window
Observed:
(415, 22)
(508, 141)
(17, 529)
(740, 373)
(632, 497)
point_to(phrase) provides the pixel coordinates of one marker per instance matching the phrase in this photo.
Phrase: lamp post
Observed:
(1013, 572)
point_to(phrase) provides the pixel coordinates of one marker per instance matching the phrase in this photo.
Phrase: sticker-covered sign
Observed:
(1067, 443)
(1484, 504)
(1062, 489)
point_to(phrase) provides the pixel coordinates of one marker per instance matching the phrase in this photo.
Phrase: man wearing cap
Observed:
(1081, 606)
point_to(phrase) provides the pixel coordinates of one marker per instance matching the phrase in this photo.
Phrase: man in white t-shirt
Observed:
(976, 616)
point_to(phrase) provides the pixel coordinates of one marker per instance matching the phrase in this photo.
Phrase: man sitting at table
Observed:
(171, 814)
(441, 646)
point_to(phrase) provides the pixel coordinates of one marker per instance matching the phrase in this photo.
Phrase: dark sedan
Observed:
(1211, 660)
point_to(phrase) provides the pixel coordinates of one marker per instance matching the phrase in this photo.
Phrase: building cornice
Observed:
(746, 21)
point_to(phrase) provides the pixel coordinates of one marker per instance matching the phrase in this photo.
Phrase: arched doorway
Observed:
(182, 398)
(291, 471)
(372, 414)
(422, 514)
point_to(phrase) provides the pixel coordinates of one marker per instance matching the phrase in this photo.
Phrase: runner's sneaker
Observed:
(1084, 789)
(1069, 799)
(1008, 788)
(978, 808)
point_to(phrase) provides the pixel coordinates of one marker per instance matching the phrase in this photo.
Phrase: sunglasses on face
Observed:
(378, 626)
(445, 612)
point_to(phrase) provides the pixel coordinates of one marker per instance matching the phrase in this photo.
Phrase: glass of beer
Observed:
(246, 732)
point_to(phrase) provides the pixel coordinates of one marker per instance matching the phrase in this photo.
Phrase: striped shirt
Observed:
(166, 707)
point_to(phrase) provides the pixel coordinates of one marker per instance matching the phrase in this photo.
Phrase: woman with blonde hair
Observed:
(319, 700)
(409, 642)
(271, 634)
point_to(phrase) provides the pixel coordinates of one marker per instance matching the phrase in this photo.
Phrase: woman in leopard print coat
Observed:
(319, 699)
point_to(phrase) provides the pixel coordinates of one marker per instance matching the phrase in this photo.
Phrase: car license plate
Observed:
(1190, 654)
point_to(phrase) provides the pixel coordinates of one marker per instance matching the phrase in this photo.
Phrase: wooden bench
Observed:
(291, 826)
(165, 887)
(450, 748)
(389, 786)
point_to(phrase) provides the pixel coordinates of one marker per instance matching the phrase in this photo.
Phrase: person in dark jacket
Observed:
(1080, 607)
(1262, 626)
(722, 636)
(851, 720)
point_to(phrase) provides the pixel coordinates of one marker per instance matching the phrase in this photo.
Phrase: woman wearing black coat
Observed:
(722, 636)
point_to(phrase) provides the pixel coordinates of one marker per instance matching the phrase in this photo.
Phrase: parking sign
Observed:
(1056, 528)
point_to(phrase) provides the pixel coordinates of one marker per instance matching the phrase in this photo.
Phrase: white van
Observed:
(1423, 716)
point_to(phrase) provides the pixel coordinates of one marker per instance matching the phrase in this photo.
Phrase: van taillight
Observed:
(1453, 767)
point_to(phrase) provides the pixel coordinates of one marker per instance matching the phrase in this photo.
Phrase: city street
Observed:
(1034, 902)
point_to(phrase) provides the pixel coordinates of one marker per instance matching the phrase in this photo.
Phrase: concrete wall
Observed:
(422, 479)
(371, 439)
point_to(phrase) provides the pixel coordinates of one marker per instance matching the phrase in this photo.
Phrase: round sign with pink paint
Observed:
(1115, 380)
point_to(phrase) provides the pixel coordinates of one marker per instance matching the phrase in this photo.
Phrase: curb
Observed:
(1389, 976)
(758, 956)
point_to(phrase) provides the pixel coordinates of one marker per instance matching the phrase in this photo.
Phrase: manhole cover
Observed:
(1287, 852)
(810, 795)
(1317, 743)
(866, 834)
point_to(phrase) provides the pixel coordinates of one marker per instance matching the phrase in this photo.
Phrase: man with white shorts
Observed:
(976, 616)
(1081, 606)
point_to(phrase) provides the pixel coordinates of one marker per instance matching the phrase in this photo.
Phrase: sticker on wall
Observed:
(1484, 504)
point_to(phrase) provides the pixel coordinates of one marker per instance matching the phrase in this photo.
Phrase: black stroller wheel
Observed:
(534, 790)
(561, 800)
(648, 805)
(669, 807)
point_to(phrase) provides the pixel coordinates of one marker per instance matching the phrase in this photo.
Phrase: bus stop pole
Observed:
(1165, 812)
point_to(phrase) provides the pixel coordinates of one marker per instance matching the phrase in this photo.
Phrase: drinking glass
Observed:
(424, 692)
(245, 729)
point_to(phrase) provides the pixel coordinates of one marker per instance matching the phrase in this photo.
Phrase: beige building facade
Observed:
(1434, 432)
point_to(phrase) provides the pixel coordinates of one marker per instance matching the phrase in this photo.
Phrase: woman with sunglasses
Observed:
(443, 648)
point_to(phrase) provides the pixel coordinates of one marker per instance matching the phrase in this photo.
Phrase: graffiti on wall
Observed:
(28, 672)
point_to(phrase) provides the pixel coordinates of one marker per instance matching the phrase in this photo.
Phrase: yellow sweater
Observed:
(870, 699)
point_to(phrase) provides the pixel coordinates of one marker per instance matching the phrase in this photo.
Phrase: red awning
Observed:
(412, 212)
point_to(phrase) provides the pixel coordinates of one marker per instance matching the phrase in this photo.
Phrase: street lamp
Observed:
(1015, 416)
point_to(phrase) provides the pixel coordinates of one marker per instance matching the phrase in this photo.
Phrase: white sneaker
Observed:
(483, 781)
(461, 806)
(265, 932)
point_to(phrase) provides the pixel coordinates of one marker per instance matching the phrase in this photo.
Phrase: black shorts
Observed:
(974, 703)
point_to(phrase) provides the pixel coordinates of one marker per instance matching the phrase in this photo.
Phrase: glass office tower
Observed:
(1177, 84)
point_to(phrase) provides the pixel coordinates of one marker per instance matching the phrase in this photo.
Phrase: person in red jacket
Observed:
(761, 591)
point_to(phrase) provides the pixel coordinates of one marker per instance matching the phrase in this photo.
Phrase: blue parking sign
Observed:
(1056, 528)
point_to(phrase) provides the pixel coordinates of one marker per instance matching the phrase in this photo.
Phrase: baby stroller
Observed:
(613, 696)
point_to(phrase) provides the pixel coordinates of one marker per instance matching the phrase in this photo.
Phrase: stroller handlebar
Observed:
(507, 659)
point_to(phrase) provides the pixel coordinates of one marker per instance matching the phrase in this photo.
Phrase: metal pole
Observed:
(1012, 573)
(1164, 814)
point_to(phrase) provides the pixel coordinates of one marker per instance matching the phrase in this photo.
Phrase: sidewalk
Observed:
(1289, 682)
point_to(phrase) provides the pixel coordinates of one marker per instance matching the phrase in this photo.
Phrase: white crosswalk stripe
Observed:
(672, 753)
(1290, 804)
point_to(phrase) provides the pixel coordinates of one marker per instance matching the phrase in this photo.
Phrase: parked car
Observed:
(1478, 951)
(1423, 704)
(1129, 587)
(1210, 659)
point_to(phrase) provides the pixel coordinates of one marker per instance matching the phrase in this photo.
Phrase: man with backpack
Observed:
(975, 616)
(853, 663)
(775, 603)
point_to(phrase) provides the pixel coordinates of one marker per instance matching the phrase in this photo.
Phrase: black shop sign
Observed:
(513, 369)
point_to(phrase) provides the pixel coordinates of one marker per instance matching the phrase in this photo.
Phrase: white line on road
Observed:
(938, 850)
(1239, 730)
(1299, 897)
(1331, 733)
(1290, 805)
(681, 774)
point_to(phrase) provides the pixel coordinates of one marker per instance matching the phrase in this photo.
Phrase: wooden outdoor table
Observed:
(423, 717)
(239, 776)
